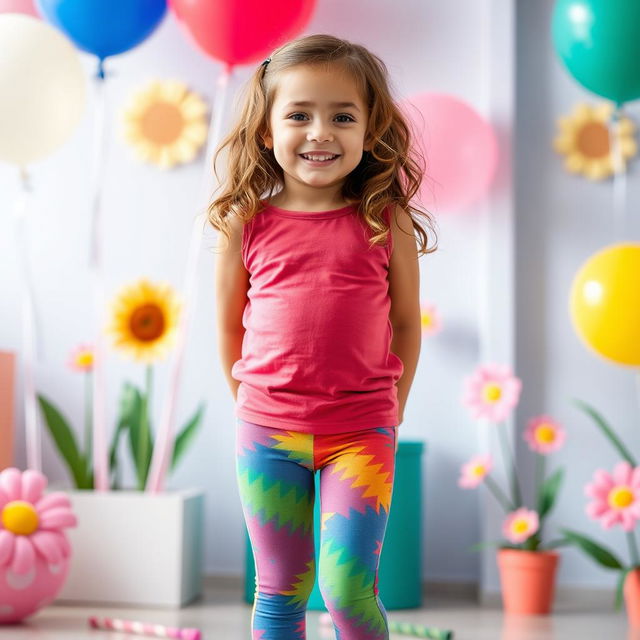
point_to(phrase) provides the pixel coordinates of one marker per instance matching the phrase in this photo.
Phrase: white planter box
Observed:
(136, 548)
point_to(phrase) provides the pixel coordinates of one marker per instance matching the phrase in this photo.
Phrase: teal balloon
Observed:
(599, 43)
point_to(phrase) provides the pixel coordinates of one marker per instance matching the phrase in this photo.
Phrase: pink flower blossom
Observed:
(491, 392)
(31, 524)
(474, 472)
(520, 525)
(431, 320)
(544, 434)
(81, 358)
(616, 497)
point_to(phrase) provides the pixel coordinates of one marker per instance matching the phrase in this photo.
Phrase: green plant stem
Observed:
(498, 493)
(143, 432)
(510, 466)
(88, 421)
(540, 469)
(633, 549)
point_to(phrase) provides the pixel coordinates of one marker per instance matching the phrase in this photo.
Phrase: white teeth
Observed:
(318, 158)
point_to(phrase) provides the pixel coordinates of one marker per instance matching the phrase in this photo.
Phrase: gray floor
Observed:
(223, 616)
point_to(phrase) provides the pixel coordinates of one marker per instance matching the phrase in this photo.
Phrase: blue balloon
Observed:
(104, 27)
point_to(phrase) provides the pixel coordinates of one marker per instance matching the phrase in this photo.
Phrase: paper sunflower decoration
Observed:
(144, 320)
(585, 140)
(166, 124)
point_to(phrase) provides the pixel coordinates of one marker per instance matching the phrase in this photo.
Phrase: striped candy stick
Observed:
(144, 628)
(420, 631)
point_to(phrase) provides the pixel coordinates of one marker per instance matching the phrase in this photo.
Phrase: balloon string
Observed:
(100, 459)
(29, 324)
(619, 176)
(163, 448)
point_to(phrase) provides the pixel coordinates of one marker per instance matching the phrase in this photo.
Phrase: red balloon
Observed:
(242, 31)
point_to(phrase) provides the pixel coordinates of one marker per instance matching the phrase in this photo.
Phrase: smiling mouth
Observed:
(319, 159)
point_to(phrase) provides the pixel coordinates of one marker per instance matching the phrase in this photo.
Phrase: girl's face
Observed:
(318, 111)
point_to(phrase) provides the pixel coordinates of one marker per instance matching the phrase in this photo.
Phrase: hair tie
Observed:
(265, 62)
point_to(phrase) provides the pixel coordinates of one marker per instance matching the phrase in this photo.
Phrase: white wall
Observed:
(428, 46)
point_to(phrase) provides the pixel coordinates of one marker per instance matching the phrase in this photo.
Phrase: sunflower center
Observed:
(492, 392)
(621, 497)
(147, 322)
(162, 123)
(545, 434)
(20, 518)
(520, 526)
(593, 140)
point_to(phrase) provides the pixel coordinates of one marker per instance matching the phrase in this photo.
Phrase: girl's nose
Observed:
(319, 134)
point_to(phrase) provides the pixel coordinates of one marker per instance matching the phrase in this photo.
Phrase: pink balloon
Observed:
(19, 6)
(460, 150)
(242, 31)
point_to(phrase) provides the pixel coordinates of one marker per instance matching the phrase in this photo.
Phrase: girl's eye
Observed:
(293, 116)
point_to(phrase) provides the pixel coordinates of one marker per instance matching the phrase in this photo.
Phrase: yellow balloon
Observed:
(605, 303)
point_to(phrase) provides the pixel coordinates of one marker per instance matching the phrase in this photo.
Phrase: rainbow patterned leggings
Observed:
(275, 469)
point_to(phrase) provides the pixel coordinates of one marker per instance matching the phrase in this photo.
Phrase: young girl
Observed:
(318, 323)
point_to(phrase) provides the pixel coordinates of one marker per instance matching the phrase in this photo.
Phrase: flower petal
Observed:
(3, 498)
(47, 543)
(24, 555)
(58, 518)
(622, 473)
(52, 501)
(33, 484)
(10, 482)
(7, 543)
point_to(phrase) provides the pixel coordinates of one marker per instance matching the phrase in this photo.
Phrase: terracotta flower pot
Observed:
(632, 597)
(528, 580)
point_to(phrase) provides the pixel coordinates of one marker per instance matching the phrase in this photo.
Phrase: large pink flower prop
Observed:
(474, 472)
(491, 392)
(544, 435)
(616, 497)
(520, 525)
(31, 524)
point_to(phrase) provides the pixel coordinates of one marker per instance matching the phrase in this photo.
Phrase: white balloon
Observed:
(42, 89)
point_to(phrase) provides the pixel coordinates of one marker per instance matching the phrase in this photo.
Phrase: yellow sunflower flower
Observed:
(144, 320)
(585, 140)
(166, 124)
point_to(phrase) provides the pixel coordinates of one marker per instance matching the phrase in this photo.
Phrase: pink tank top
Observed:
(316, 352)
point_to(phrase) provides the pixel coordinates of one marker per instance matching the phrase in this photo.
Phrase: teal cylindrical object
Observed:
(400, 573)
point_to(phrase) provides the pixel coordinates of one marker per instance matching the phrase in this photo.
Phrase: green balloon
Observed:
(599, 43)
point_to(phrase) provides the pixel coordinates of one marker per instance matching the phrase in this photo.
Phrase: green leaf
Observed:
(548, 493)
(185, 437)
(608, 431)
(131, 413)
(559, 542)
(600, 554)
(65, 441)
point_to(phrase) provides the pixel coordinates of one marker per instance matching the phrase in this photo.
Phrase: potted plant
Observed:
(527, 564)
(150, 544)
(615, 501)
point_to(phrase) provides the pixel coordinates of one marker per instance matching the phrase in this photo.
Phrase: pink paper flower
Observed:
(81, 358)
(520, 525)
(431, 321)
(31, 524)
(616, 497)
(544, 435)
(474, 472)
(491, 392)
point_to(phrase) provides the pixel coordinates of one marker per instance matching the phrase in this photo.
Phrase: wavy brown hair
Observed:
(390, 174)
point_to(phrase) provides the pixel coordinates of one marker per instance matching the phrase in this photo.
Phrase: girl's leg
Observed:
(356, 483)
(275, 479)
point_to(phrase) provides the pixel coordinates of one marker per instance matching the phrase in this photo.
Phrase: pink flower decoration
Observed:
(474, 472)
(491, 392)
(81, 358)
(544, 435)
(31, 524)
(520, 525)
(431, 321)
(616, 497)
